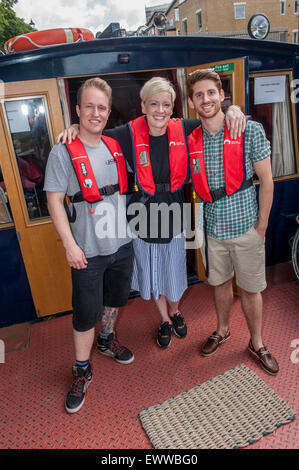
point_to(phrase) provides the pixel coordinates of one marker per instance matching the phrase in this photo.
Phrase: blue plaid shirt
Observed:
(233, 215)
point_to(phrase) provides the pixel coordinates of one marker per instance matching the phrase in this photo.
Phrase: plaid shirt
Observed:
(233, 215)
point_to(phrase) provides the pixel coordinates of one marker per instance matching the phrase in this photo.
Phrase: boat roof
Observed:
(118, 55)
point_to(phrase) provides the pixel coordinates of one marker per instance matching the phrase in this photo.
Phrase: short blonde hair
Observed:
(98, 83)
(155, 85)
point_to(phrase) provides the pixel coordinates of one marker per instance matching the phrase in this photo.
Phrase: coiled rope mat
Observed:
(229, 411)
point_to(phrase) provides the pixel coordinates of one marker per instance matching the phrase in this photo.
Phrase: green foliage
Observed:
(10, 24)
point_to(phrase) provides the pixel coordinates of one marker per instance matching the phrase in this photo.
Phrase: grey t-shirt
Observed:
(106, 230)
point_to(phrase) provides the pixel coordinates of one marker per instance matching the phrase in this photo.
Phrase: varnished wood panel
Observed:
(42, 250)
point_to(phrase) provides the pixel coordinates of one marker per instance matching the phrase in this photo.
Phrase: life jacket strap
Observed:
(78, 197)
(162, 187)
(70, 215)
(159, 188)
(104, 191)
(220, 193)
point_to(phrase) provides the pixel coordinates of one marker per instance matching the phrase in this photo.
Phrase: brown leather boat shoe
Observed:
(213, 342)
(267, 361)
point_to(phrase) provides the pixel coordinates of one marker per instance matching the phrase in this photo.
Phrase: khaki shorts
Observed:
(243, 256)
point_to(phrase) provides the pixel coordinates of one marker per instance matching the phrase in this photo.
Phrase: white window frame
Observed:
(243, 4)
(185, 25)
(293, 124)
(283, 36)
(296, 7)
(282, 7)
(199, 12)
(295, 36)
(176, 14)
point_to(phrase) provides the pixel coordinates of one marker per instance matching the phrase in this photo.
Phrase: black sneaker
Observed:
(179, 325)
(164, 335)
(76, 396)
(110, 347)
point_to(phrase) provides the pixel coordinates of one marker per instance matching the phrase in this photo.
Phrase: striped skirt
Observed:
(160, 269)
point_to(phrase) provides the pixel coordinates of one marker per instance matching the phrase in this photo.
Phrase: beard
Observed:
(210, 113)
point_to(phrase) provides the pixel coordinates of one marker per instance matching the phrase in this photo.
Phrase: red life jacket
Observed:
(80, 160)
(178, 156)
(233, 162)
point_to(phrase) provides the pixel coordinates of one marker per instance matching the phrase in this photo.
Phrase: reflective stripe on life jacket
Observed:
(84, 172)
(233, 163)
(178, 155)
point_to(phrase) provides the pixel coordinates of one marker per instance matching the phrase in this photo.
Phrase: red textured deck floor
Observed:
(35, 380)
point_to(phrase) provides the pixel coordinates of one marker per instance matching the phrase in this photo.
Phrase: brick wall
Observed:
(219, 17)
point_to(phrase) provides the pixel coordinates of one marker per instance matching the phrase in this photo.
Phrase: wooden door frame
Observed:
(39, 288)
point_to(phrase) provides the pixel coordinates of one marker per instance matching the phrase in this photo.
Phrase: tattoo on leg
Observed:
(108, 319)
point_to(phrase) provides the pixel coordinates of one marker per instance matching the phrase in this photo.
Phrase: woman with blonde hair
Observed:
(155, 148)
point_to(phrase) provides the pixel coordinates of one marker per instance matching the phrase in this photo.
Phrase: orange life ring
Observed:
(47, 37)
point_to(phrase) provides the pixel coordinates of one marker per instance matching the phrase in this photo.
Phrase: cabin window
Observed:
(126, 103)
(185, 26)
(28, 124)
(5, 213)
(283, 7)
(277, 116)
(227, 87)
(199, 20)
(239, 10)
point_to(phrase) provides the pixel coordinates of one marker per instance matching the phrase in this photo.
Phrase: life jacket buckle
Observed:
(162, 187)
(217, 194)
(109, 189)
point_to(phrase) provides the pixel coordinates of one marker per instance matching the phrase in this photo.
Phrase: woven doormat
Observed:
(229, 411)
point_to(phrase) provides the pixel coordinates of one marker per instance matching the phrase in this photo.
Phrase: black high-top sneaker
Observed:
(76, 396)
(179, 325)
(164, 334)
(111, 347)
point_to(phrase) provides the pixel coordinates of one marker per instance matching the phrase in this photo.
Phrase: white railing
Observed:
(276, 34)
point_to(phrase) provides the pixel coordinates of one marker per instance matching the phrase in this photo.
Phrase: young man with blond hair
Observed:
(101, 263)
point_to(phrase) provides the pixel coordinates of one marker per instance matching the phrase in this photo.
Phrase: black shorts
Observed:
(105, 282)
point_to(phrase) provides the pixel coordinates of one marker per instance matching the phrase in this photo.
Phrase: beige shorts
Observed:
(243, 256)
